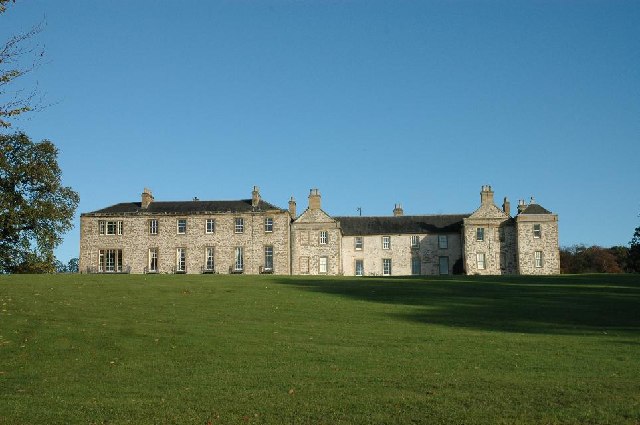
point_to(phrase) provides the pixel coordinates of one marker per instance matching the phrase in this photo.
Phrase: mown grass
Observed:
(92, 349)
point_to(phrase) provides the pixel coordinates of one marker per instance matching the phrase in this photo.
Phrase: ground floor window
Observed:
(415, 265)
(480, 260)
(322, 265)
(538, 258)
(444, 265)
(153, 260)
(110, 261)
(268, 257)
(359, 268)
(181, 260)
(239, 256)
(209, 262)
(386, 266)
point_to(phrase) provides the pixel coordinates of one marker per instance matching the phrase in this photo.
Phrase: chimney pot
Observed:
(255, 196)
(506, 206)
(292, 207)
(398, 211)
(314, 199)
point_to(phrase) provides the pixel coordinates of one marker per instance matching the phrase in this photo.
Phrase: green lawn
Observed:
(94, 349)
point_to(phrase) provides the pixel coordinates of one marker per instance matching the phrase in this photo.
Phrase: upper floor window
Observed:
(153, 226)
(538, 258)
(268, 224)
(537, 231)
(443, 242)
(210, 226)
(181, 224)
(239, 225)
(359, 243)
(110, 227)
(324, 237)
(386, 242)
(415, 241)
(480, 234)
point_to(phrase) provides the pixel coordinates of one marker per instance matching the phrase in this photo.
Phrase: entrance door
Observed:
(444, 265)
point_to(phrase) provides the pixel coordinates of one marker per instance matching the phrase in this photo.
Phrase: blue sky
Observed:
(372, 102)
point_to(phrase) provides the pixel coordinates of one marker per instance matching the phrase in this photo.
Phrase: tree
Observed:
(35, 209)
(73, 266)
(17, 58)
(634, 252)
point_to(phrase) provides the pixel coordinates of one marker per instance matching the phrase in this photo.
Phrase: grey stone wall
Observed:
(306, 249)
(547, 244)
(495, 251)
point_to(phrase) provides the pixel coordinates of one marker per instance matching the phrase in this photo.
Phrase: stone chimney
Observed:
(486, 195)
(314, 199)
(255, 197)
(292, 207)
(398, 211)
(521, 205)
(506, 206)
(147, 198)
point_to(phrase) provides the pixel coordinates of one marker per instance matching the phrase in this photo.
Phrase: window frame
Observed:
(110, 261)
(538, 259)
(210, 226)
(268, 257)
(416, 265)
(323, 237)
(386, 267)
(479, 234)
(209, 258)
(415, 241)
(181, 260)
(440, 258)
(238, 259)
(537, 233)
(481, 259)
(110, 227)
(386, 242)
(323, 264)
(239, 225)
(180, 221)
(359, 269)
(152, 260)
(358, 242)
(444, 245)
(268, 224)
(153, 226)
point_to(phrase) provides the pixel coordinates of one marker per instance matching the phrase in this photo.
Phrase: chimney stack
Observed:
(314, 199)
(398, 211)
(255, 197)
(147, 198)
(486, 195)
(521, 205)
(506, 206)
(292, 208)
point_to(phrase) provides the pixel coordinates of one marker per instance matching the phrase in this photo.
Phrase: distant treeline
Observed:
(596, 259)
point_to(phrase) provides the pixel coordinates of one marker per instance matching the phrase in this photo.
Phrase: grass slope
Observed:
(94, 349)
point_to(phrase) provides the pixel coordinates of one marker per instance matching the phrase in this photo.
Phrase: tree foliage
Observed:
(594, 259)
(18, 57)
(35, 209)
(634, 252)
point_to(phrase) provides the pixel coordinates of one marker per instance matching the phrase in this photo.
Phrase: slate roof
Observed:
(186, 207)
(535, 209)
(363, 226)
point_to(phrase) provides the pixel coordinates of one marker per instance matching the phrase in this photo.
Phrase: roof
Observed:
(362, 226)
(187, 207)
(535, 209)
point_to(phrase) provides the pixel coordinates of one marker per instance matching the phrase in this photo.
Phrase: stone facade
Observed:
(252, 236)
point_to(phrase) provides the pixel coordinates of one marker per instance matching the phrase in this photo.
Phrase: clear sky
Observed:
(372, 102)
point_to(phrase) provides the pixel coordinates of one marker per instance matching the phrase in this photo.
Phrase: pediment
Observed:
(314, 216)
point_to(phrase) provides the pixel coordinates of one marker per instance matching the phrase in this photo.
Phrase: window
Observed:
(239, 225)
(268, 257)
(323, 237)
(537, 231)
(415, 265)
(386, 266)
(268, 224)
(443, 241)
(415, 241)
(386, 242)
(182, 226)
(444, 265)
(480, 234)
(359, 243)
(503, 260)
(480, 260)
(210, 226)
(538, 258)
(110, 227)
(322, 265)
(181, 260)
(209, 261)
(304, 265)
(359, 268)
(152, 267)
(239, 263)
(110, 261)
(153, 226)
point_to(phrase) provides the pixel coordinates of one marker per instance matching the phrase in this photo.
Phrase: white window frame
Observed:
(268, 257)
(443, 241)
(386, 267)
(152, 263)
(537, 231)
(323, 238)
(153, 226)
(386, 242)
(210, 226)
(359, 271)
(415, 241)
(239, 225)
(479, 234)
(180, 221)
(358, 243)
(181, 260)
(239, 259)
(323, 265)
(110, 261)
(110, 227)
(209, 258)
(538, 259)
(268, 224)
(481, 261)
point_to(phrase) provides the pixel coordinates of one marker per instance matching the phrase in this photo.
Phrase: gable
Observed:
(314, 216)
(489, 211)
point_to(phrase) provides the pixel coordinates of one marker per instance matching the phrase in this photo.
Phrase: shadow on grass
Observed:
(567, 304)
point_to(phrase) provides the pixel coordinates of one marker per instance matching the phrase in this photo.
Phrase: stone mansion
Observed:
(252, 236)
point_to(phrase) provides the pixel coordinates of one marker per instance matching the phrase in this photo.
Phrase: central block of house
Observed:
(253, 236)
